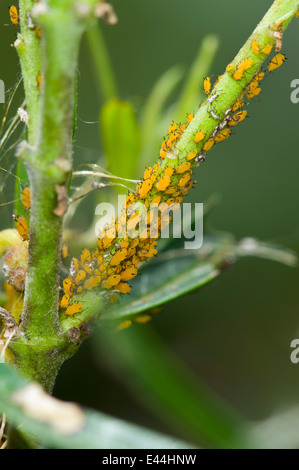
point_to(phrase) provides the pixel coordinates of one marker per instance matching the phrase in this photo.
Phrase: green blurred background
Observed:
(235, 333)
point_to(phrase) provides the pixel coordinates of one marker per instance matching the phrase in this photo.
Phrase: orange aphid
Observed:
(207, 85)
(26, 198)
(64, 250)
(236, 118)
(172, 128)
(229, 67)
(192, 155)
(119, 257)
(147, 173)
(80, 276)
(156, 200)
(163, 183)
(74, 308)
(92, 282)
(142, 318)
(123, 287)
(222, 135)
(199, 136)
(238, 104)
(85, 255)
(169, 171)
(246, 64)
(111, 281)
(64, 300)
(208, 145)
(145, 188)
(184, 180)
(22, 226)
(68, 286)
(128, 274)
(267, 49)
(14, 16)
(255, 47)
(183, 167)
(238, 74)
(218, 78)
(190, 117)
(276, 62)
(124, 325)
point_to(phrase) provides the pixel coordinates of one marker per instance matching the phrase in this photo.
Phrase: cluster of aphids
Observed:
(118, 255)
(21, 221)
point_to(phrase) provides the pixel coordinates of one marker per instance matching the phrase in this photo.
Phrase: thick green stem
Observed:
(43, 347)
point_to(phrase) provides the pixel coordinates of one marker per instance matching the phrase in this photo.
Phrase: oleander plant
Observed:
(64, 286)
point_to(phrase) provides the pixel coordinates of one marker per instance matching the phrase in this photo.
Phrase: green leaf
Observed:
(67, 426)
(176, 272)
(121, 137)
(161, 382)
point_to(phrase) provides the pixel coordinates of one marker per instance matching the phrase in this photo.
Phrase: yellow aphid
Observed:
(259, 76)
(218, 78)
(118, 257)
(172, 128)
(190, 117)
(128, 274)
(238, 74)
(255, 47)
(75, 265)
(199, 136)
(236, 118)
(170, 190)
(267, 49)
(85, 255)
(64, 250)
(156, 200)
(169, 171)
(163, 152)
(74, 308)
(14, 17)
(229, 68)
(80, 276)
(145, 188)
(183, 168)
(64, 301)
(156, 167)
(124, 325)
(123, 288)
(103, 267)
(238, 104)
(184, 180)
(147, 173)
(253, 93)
(111, 281)
(192, 155)
(208, 145)
(68, 286)
(222, 135)
(246, 64)
(38, 31)
(182, 128)
(163, 183)
(92, 282)
(124, 244)
(26, 198)
(207, 85)
(22, 227)
(276, 62)
(142, 318)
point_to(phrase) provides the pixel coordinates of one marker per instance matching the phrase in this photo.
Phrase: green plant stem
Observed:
(28, 49)
(39, 352)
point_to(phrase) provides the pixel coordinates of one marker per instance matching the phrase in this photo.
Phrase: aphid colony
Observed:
(118, 255)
